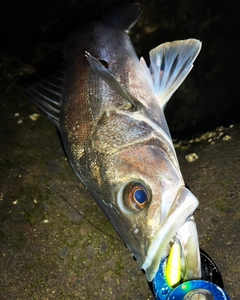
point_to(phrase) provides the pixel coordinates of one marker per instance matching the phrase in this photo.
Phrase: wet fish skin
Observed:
(108, 107)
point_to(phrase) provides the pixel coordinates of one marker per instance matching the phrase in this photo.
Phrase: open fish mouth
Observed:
(180, 226)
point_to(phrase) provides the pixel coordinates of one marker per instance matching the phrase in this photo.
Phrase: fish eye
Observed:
(135, 196)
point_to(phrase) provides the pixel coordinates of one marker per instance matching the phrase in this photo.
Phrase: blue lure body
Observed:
(210, 286)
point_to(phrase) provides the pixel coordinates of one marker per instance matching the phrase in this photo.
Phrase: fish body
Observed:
(108, 106)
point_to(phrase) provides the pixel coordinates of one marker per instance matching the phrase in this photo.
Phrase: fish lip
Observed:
(187, 236)
(183, 207)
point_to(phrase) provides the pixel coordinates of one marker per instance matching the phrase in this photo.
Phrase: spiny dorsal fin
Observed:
(123, 16)
(46, 94)
(170, 65)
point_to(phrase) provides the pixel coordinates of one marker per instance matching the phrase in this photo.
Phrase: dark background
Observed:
(208, 98)
(55, 243)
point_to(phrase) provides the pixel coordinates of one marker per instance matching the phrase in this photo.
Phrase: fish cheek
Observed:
(134, 226)
(150, 165)
(131, 189)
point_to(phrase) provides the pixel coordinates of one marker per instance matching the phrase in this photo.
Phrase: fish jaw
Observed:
(187, 236)
(182, 208)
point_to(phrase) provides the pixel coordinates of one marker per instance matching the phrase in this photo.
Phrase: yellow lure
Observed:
(173, 268)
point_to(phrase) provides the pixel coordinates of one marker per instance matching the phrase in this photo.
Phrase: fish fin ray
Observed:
(48, 112)
(170, 65)
(146, 71)
(124, 16)
(46, 94)
(103, 73)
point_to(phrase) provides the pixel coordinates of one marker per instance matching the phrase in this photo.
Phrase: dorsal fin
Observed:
(123, 16)
(46, 94)
(170, 65)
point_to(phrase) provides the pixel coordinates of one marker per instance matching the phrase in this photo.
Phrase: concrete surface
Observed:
(55, 243)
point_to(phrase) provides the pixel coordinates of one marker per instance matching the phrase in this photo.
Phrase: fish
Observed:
(108, 106)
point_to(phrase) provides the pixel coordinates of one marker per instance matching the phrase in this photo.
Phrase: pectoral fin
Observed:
(103, 73)
(170, 65)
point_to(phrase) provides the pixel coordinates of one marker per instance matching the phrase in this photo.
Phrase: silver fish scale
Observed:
(111, 138)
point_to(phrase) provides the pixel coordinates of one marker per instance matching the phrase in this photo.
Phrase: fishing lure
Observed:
(167, 286)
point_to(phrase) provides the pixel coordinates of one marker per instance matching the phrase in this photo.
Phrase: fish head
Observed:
(141, 190)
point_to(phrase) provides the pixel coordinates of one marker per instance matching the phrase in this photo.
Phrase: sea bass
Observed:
(108, 106)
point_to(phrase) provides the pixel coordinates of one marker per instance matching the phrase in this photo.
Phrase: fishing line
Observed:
(61, 196)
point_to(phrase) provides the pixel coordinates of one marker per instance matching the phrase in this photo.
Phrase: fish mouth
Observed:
(180, 225)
